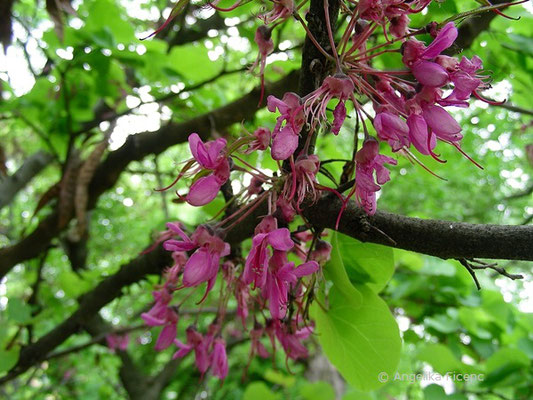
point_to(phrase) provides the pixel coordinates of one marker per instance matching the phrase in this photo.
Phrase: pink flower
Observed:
(200, 345)
(419, 134)
(285, 207)
(392, 128)
(166, 337)
(371, 10)
(322, 252)
(203, 264)
(242, 295)
(285, 140)
(210, 156)
(162, 315)
(284, 144)
(303, 180)
(338, 86)
(256, 346)
(369, 160)
(429, 73)
(282, 9)
(442, 123)
(291, 341)
(219, 363)
(399, 26)
(263, 38)
(412, 50)
(444, 39)
(257, 261)
(117, 341)
(262, 140)
(280, 278)
(465, 82)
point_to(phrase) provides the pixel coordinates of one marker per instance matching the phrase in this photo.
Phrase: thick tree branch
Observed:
(11, 185)
(438, 238)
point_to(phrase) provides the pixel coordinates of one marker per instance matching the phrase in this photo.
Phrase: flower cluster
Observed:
(269, 289)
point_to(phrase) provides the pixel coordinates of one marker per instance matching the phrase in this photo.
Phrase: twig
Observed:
(94, 340)
(162, 192)
(472, 265)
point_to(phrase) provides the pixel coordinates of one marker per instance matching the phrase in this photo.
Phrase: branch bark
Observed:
(444, 239)
(11, 185)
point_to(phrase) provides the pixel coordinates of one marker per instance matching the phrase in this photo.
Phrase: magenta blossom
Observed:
(261, 142)
(322, 252)
(280, 277)
(200, 345)
(219, 362)
(419, 135)
(203, 265)
(210, 156)
(429, 73)
(442, 123)
(255, 269)
(119, 342)
(285, 139)
(392, 128)
(282, 9)
(161, 314)
(444, 39)
(369, 160)
(338, 86)
(291, 340)
(263, 38)
(465, 81)
(303, 180)
(256, 346)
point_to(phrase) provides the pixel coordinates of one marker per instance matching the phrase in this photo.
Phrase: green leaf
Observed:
(520, 43)
(8, 359)
(361, 340)
(335, 271)
(504, 356)
(436, 392)
(317, 391)
(279, 378)
(442, 359)
(368, 263)
(18, 311)
(259, 390)
(442, 323)
(193, 62)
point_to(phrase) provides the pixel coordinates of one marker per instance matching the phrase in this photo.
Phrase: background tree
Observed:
(76, 216)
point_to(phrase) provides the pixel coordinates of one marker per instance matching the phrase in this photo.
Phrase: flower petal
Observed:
(284, 143)
(203, 191)
(280, 239)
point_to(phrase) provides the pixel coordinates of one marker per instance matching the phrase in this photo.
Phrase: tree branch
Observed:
(11, 185)
(437, 238)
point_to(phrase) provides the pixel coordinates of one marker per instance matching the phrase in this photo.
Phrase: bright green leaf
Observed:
(18, 311)
(360, 340)
(259, 390)
(317, 391)
(336, 272)
(8, 359)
